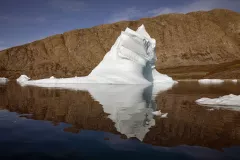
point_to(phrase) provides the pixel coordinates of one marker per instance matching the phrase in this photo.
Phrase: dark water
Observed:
(116, 122)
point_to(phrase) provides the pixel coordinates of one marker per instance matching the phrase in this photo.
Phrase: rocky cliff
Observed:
(193, 45)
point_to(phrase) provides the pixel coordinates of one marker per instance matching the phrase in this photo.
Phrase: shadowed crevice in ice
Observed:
(131, 60)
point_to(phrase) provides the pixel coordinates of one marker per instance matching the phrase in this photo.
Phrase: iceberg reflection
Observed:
(130, 107)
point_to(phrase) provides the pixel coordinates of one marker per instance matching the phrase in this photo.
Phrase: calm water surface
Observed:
(116, 122)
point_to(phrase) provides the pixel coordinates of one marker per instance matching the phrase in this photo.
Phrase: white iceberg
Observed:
(210, 81)
(131, 60)
(3, 80)
(230, 101)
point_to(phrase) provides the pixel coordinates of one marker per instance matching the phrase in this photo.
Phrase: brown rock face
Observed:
(192, 45)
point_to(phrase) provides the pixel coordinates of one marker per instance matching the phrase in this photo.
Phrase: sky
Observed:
(24, 21)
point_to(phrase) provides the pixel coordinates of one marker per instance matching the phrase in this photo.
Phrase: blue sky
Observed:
(23, 21)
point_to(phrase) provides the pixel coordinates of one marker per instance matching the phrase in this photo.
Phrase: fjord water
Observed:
(116, 122)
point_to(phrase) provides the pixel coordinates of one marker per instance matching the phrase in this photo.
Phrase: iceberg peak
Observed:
(141, 30)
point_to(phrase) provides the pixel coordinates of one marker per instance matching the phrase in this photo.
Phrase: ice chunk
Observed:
(211, 109)
(210, 81)
(160, 78)
(3, 80)
(131, 60)
(160, 114)
(164, 115)
(23, 79)
(157, 113)
(229, 101)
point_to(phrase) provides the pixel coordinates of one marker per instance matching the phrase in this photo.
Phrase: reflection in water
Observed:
(127, 111)
(130, 107)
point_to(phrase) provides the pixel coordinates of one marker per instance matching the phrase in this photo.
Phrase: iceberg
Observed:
(210, 81)
(3, 80)
(230, 101)
(131, 60)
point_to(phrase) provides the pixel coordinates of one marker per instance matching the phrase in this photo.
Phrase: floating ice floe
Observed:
(210, 81)
(132, 113)
(228, 101)
(131, 60)
(211, 109)
(3, 80)
(160, 114)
